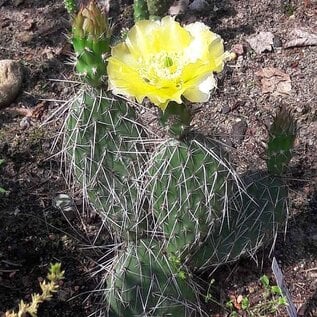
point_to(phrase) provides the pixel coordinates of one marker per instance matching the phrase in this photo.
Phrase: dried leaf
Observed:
(235, 302)
(274, 81)
(261, 42)
(301, 37)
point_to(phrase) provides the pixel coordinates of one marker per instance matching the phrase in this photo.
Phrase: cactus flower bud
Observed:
(91, 38)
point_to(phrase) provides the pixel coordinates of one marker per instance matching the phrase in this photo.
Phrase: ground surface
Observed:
(34, 233)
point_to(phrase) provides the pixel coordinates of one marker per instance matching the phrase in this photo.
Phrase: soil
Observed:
(35, 233)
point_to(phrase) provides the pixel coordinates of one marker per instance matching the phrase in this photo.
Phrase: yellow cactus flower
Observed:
(164, 61)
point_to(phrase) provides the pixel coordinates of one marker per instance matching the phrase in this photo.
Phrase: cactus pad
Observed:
(189, 184)
(256, 215)
(143, 282)
(91, 40)
(104, 144)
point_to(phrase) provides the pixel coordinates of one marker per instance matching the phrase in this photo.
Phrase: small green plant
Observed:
(48, 287)
(272, 301)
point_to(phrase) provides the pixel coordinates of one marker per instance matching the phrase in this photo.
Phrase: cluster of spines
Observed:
(70, 6)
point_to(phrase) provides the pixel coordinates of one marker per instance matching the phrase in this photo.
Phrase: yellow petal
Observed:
(125, 80)
(201, 91)
(149, 37)
(122, 53)
(206, 45)
(216, 55)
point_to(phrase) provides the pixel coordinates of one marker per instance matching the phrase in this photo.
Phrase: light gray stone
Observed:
(11, 76)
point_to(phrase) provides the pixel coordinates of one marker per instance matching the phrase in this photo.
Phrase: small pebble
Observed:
(238, 131)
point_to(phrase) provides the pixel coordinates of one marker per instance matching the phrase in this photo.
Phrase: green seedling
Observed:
(272, 301)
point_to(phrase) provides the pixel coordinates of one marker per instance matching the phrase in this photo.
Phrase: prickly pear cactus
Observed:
(91, 40)
(256, 215)
(144, 282)
(189, 185)
(104, 146)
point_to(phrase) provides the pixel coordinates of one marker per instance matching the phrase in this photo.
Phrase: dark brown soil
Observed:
(34, 233)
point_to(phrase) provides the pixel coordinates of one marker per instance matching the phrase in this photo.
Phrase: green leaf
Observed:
(229, 304)
(245, 303)
(182, 275)
(265, 281)
(55, 272)
(276, 290)
(282, 301)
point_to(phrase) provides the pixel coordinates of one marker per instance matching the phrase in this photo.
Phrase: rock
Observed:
(199, 5)
(277, 42)
(225, 109)
(238, 131)
(11, 76)
(178, 7)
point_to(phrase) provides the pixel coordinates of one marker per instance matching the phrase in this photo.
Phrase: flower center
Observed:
(161, 67)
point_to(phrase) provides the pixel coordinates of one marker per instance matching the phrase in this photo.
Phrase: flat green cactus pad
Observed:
(143, 282)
